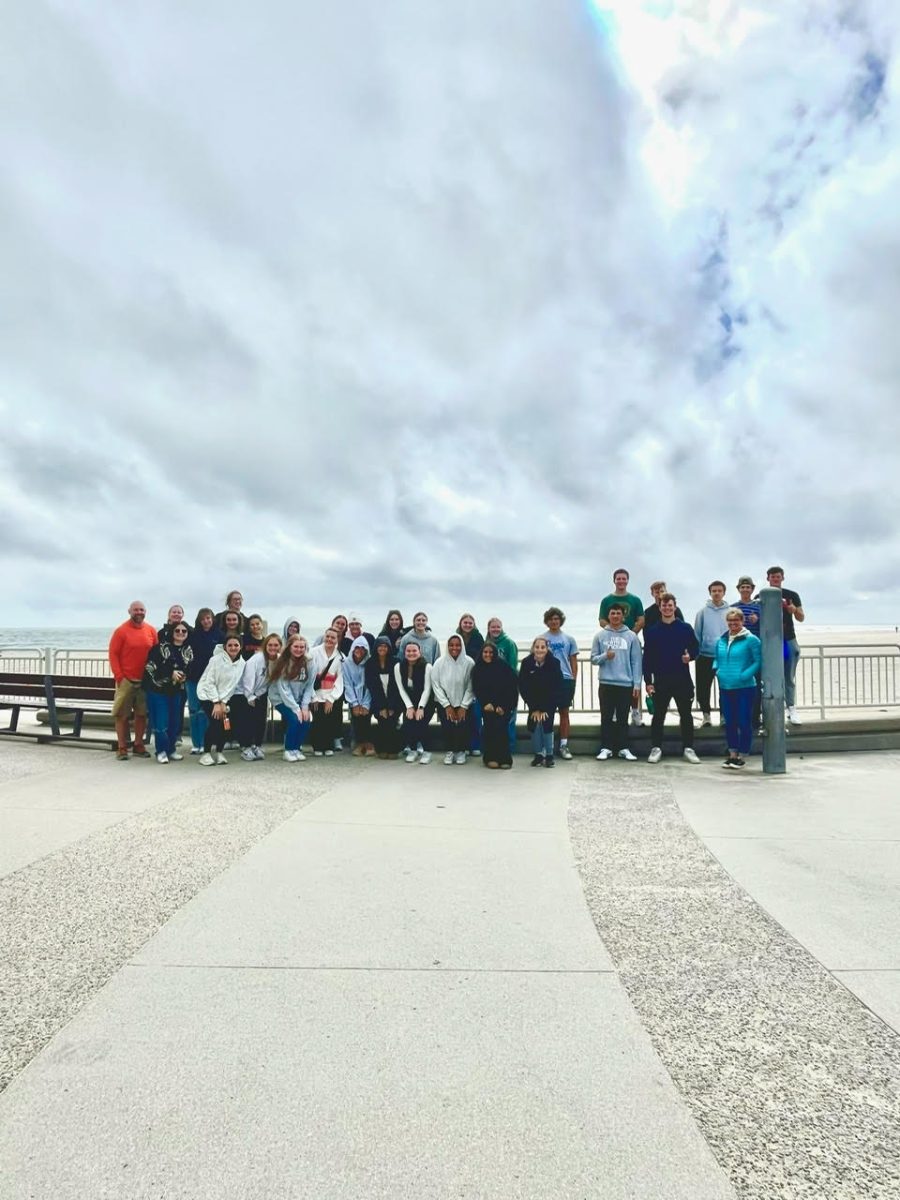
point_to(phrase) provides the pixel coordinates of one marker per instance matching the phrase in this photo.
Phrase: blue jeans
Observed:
(790, 672)
(197, 715)
(542, 736)
(512, 731)
(166, 716)
(295, 730)
(476, 720)
(737, 709)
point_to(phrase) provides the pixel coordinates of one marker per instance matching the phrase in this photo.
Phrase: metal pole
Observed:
(771, 634)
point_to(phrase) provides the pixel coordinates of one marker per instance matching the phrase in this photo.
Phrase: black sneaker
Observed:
(739, 762)
(538, 760)
(548, 761)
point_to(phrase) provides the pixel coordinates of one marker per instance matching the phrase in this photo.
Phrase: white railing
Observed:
(829, 677)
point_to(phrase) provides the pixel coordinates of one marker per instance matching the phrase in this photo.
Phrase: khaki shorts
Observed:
(130, 700)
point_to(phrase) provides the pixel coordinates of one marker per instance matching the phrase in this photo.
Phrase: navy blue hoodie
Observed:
(663, 647)
(203, 643)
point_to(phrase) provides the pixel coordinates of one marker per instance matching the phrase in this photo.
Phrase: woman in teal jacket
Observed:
(738, 661)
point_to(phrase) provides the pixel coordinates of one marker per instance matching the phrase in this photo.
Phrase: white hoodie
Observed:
(254, 681)
(451, 681)
(318, 659)
(221, 677)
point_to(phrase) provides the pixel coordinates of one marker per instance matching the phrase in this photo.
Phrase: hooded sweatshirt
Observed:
(738, 660)
(709, 625)
(290, 621)
(495, 683)
(382, 684)
(541, 685)
(427, 643)
(625, 669)
(294, 694)
(332, 687)
(254, 681)
(472, 642)
(221, 677)
(451, 680)
(356, 691)
(506, 648)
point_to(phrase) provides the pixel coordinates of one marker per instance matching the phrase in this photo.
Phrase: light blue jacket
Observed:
(625, 669)
(355, 690)
(738, 664)
(709, 625)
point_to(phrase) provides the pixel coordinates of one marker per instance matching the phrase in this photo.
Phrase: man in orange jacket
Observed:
(128, 649)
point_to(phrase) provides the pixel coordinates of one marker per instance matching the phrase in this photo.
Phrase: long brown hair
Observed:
(288, 667)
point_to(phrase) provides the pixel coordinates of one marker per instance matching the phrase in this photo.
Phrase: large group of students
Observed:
(228, 670)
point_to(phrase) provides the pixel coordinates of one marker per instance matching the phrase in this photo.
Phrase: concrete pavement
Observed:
(359, 979)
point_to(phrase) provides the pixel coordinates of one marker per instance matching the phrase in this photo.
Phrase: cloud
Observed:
(422, 301)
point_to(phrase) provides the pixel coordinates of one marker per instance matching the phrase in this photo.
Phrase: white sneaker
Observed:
(604, 755)
(290, 756)
(206, 760)
(221, 760)
(636, 718)
(425, 758)
(627, 755)
(162, 758)
(412, 755)
(565, 752)
(448, 758)
(247, 755)
(299, 756)
(258, 753)
(196, 749)
(475, 753)
(691, 754)
(175, 756)
(460, 757)
(655, 754)
(329, 754)
(707, 720)
(792, 716)
(318, 753)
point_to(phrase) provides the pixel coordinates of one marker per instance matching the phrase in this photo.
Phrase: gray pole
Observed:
(771, 632)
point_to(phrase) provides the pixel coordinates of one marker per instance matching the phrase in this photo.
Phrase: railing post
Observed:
(822, 682)
(48, 660)
(771, 634)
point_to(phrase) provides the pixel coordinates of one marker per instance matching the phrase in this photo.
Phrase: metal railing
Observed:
(829, 677)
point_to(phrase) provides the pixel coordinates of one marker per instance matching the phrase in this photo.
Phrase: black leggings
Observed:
(216, 734)
(682, 692)
(386, 734)
(326, 726)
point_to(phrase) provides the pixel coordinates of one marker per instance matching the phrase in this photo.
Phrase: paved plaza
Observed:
(354, 979)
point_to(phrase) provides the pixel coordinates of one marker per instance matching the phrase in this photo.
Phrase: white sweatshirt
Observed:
(451, 681)
(318, 659)
(221, 677)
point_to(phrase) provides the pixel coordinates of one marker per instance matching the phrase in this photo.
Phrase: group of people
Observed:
(228, 670)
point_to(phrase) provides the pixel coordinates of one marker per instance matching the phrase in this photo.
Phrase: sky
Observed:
(349, 306)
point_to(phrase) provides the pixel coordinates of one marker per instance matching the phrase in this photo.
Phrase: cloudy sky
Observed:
(350, 305)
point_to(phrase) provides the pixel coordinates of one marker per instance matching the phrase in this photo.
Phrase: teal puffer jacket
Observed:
(738, 665)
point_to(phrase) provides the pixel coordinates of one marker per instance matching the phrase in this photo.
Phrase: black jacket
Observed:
(389, 699)
(541, 687)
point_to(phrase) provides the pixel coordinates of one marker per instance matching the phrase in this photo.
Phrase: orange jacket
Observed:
(128, 649)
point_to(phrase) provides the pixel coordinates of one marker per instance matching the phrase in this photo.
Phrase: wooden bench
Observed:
(75, 694)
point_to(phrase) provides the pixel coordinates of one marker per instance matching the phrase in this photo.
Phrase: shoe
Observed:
(636, 718)
(565, 752)
(196, 749)
(460, 758)
(425, 758)
(627, 755)
(792, 716)
(548, 761)
(655, 754)
(258, 753)
(506, 766)
(141, 752)
(740, 762)
(178, 741)
(731, 764)
(492, 766)
(370, 750)
(358, 751)
(247, 755)
(338, 743)
(691, 754)
(475, 753)
(707, 720)
(221, 760)
(604, 755)
(317, 753)
(206, 760)
(162, 757)
(288, 756)
(412, 755)
(175, 756)
(538, 760)
(329, 753)
(122, 756)
(449, 758)
(299, 756)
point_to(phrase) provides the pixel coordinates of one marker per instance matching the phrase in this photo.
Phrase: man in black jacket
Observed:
(669, 648)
